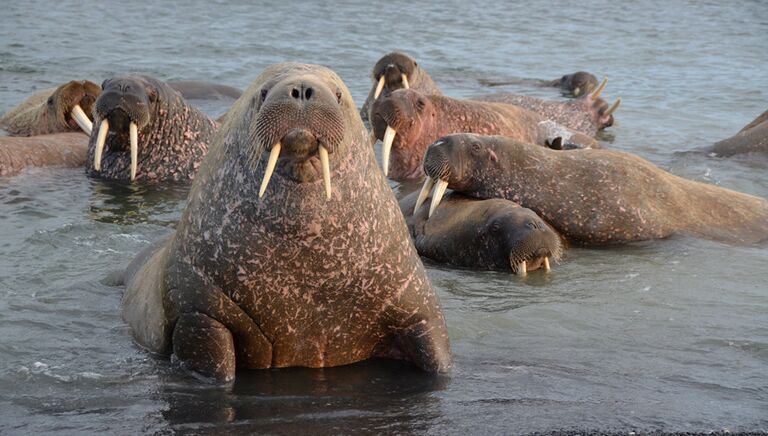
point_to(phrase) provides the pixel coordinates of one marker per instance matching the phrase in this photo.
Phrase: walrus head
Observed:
(392, 72)
(579, 83)
(601, 112)
(70, 103)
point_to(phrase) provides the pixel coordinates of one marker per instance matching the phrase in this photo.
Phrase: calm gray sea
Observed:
(667, 335)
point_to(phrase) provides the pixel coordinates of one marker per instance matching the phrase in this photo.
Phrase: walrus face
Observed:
(393, 72)
(70, 103)
(300, 122)
(601, 112)
(579, 83)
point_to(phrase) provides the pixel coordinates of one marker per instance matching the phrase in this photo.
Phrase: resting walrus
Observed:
(574, 84)
(291, 251)
(593, 197)
(56, 110)
(58, 149)
(493, 234)
(408, 121)
(144, 130)
(752, 138)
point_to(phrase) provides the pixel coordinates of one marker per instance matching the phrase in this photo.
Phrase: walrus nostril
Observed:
(308, 93)
(295, 93)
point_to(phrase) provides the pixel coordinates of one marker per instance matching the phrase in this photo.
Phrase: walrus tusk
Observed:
(613, 107)
(103, 130)
(576, 91)
(82, 120)
(133, 130)
(522, 269)
(273, 155)
(379, 88)
(428, 183)
(437, 195)
(600, 88)
(326, 171)
(386, 147)
(546, 263)
(405, 81)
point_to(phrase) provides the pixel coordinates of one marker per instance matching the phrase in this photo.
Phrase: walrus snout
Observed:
(533, 245)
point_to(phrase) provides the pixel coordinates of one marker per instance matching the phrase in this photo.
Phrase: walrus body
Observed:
(409, 121)
(753, 138)
(59, 149)
(144, 130)
(320, 271)
(493, 234)
(199, 90)
(594, 197)
(51, 110)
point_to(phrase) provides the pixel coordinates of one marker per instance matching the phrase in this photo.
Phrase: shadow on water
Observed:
(126, 204)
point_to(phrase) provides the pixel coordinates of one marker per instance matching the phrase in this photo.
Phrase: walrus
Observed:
(292, 250)
(593, 197)
(574, 84)
(58, 149)
(397, 71)
(200, 90)
(752, 138)
(54, 110)
(408, 121)
(144, 130)
(493, 234)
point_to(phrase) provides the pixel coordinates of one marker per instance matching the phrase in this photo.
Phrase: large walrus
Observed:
(144, 130)
(593, 197)
(292, 250)
(493, 234)
(58, 149)
(408, 121)
(55, 110)
(752, 138)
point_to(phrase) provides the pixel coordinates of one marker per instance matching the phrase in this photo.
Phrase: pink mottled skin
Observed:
(596, 197)
(420, 119)
(292, 278)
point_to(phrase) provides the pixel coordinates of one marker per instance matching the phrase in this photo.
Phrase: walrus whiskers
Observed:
(134, 135)
(600, 88)
(379, 88)
(273, 155)
(386, 148)
(103, 130)
(428, 183)
(82, 120)
(437, 195)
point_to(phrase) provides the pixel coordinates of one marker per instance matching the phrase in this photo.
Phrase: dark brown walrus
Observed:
(292, 250)
(574, 84)
(493, 234)
(751, 139)
(593, 197)
(58, 149)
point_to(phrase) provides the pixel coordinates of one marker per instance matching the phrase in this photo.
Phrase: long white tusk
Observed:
(134, 135)
(437, 195)
(424, 193)
(522, 269)
(379, 87)
(405, 81)
(613, 107)
(103, 130)
(600, 88)
(82, 120)
(546, 263)
(326, 171)
(273, 155)
(386, 147)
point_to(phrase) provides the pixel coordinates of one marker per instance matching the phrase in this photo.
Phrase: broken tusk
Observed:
(326, 170)
(379, 88)
(600, 88)
(405, 81)
(82, 120)
(386, 147)
(103, 130)
(428, 183)
(522, 269)
(273, 155)
(437, 195)
(613, 107)
(134, 135)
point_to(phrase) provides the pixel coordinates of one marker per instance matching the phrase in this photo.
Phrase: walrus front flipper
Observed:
(426, 345)
(205, 346)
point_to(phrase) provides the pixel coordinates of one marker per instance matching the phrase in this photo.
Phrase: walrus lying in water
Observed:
(292, 250)
(574, 84)
(753, 138)
(593, 197)
(58, 149)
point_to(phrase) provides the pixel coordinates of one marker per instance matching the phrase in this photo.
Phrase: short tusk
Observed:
(600, 88)
(379, 88)
(576, 91)
(613, 107)
(386, 148)
(405, 81)
(82, 120)
(546, 263)
(424, 193)
(522, 269)
(134, 136)
(326, 170)
(100, 139)
(273, 155)
(437, 195)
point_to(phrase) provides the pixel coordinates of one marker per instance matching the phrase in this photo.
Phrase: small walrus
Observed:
(574, 84)
(593, 197)
(753, 138)
(291, 250)
(493, 234)
(133, 110)
(408, 121)
(55, 110)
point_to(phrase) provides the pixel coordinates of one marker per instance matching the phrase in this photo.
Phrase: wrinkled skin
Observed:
(494, 234)
(50, 110)
(596, 197)
(173, 136)
(392, 66)
(420, 119)
(199, 90)
(58, 149)
(292, 278)
(753, 138)
(576, 84)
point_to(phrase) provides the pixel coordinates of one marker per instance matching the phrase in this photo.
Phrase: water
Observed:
(666, 335)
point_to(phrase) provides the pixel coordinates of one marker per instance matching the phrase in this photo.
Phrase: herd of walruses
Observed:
(294, 251)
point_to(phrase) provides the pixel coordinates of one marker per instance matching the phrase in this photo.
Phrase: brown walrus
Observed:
(408, 121)
(493, 234)
(292, 250)
(593, 197)
(574, 84)
(144, 130)
(55, 110)
(752, 138)
(58, 149)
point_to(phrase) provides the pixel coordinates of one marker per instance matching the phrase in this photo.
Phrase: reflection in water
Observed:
(124, 204)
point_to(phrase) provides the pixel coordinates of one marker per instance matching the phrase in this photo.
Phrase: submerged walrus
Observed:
(56, 110)
(292, 250)
(494, 234)
(200, 90)
(753, 138)
(574, 84)
(593, 197)
(144, 130)
(58, 149)
(408, 121)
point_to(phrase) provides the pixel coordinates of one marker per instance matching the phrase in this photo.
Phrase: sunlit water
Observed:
(666, 335)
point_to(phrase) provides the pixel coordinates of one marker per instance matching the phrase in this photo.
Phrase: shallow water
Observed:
(667, 335)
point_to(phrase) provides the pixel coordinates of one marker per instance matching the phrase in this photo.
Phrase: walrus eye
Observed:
(476, 147)
(50, 101)
(264, 94)
(420, 104)
(338, 95)
(495, 227)
(152, 93)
